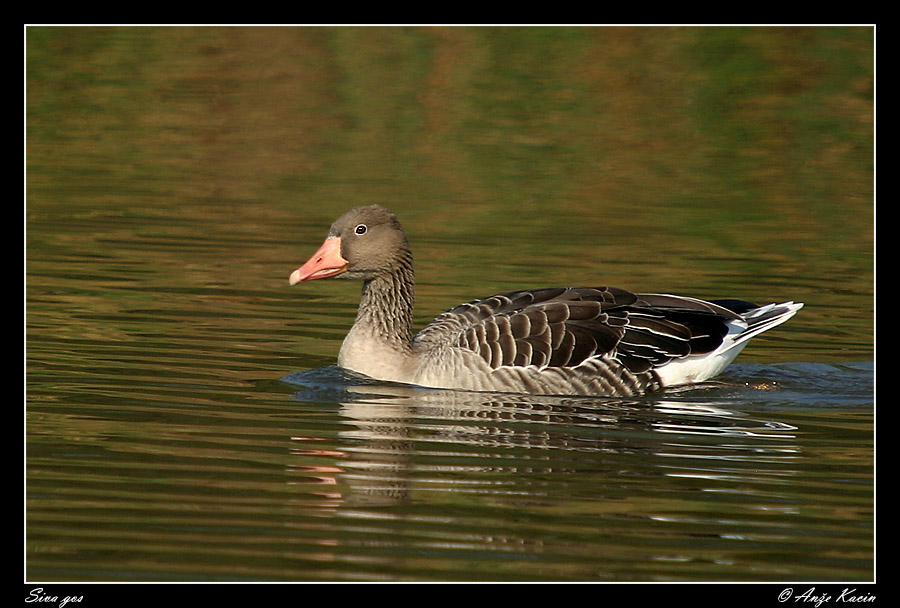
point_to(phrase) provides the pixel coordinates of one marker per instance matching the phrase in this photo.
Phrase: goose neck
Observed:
(386, 307)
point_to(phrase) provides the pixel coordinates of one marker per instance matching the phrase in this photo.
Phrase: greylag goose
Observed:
(600, 341)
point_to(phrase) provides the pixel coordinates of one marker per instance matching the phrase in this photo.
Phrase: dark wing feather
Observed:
(564, 327)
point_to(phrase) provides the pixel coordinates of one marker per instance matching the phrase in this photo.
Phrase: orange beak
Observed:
(324, 263)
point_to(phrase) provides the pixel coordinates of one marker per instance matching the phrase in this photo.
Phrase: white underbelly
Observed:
(376, 359)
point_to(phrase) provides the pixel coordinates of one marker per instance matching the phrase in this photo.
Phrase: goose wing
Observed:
(563, 327)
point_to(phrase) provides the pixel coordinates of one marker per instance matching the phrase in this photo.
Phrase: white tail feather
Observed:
(697, 368)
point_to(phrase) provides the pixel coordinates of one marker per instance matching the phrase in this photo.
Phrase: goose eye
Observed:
(360, 229)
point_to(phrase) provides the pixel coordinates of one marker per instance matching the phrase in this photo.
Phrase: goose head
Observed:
(362, 244)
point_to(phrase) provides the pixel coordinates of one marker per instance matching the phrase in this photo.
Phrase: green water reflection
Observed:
(175, 176)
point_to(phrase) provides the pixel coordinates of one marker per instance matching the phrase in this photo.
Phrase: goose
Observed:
(596, 341)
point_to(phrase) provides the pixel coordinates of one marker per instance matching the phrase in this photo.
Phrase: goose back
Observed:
(581, 334)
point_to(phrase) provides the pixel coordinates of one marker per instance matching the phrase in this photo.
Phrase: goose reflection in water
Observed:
(402, 439)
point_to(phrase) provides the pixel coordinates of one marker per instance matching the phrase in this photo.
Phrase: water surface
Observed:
(184, 420)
